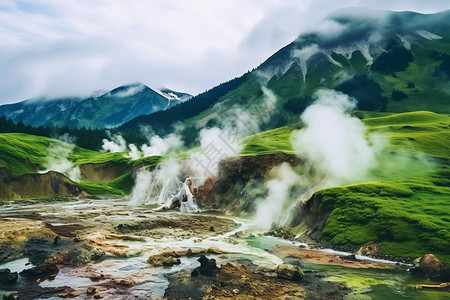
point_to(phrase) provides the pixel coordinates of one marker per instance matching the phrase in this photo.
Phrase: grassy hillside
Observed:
(407, 211)
(24, 153)
(405, 207)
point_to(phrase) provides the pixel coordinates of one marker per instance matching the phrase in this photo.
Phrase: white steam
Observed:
(116, 143)
(154, 186)
(216, 144)
(159, 146)
(332, 140)
(333, 148)
(272, 208)
(57, 158)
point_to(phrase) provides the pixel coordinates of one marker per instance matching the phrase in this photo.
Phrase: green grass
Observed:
(276, 140)
(408, 218)
(420, 131)
(430, 92)
(406, 210)
(23, 153)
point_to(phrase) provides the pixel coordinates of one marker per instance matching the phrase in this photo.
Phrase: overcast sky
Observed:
(75, 47)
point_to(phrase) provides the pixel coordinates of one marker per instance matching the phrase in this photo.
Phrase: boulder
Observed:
(290, 272)
(10, 296)
(207, 267)
(165, 259)
(8, 277)
(427, 266)
(430, 266)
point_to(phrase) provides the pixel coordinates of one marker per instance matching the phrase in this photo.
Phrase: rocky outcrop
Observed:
(312, 219)
(241, 179)
(40, 271)
(208, 267)
(165, 259)
(290, 272)
(8, 277)
(29, 186)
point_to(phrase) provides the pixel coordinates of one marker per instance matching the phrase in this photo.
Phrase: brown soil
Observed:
(29, 186)
(102, 172)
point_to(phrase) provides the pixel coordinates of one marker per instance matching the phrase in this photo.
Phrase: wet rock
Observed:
(215, 250)
(208, 267)
(368, 250)
(40, 271)
(56, 240)
(91, 290)
(10, 296)
(165, 259)
(350, 257)
(290, 272)
(283, 232)
(69, 294)
(428, 266)
(8, 277)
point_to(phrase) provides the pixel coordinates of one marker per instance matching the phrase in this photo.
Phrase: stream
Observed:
(127, 275)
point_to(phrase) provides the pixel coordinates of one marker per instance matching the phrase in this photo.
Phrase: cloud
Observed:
(60, 48)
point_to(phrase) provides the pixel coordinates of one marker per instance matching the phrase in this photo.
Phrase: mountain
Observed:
(97, 111)
(389, 61)
(37, 111)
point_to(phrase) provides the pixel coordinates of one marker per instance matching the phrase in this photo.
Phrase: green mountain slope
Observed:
(389, 61)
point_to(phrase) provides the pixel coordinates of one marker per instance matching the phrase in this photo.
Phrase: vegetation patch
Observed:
(408, 219)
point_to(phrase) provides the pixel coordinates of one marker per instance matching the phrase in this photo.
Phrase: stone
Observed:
(10, 296)
(8, 277)
(369, 249)
(70, 294)
(215, 250)
(91, 290)
(207, 267)
(165, 259)
(427, 266)
(290, 272)
(42, 270)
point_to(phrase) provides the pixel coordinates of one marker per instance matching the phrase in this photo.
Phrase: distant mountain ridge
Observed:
(389, 61)
(104, 110)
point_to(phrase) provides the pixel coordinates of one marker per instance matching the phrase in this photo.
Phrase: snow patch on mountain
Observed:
(428, 35)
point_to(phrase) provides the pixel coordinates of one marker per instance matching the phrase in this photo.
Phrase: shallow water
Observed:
(242, 243)
(376, 284)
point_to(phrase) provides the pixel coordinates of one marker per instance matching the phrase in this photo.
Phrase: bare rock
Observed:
(10, 296)
(165, 259)
(208, 267)
(427, 266)
(40, 271)
(291, 272)
(369, 249)
(8, 277)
